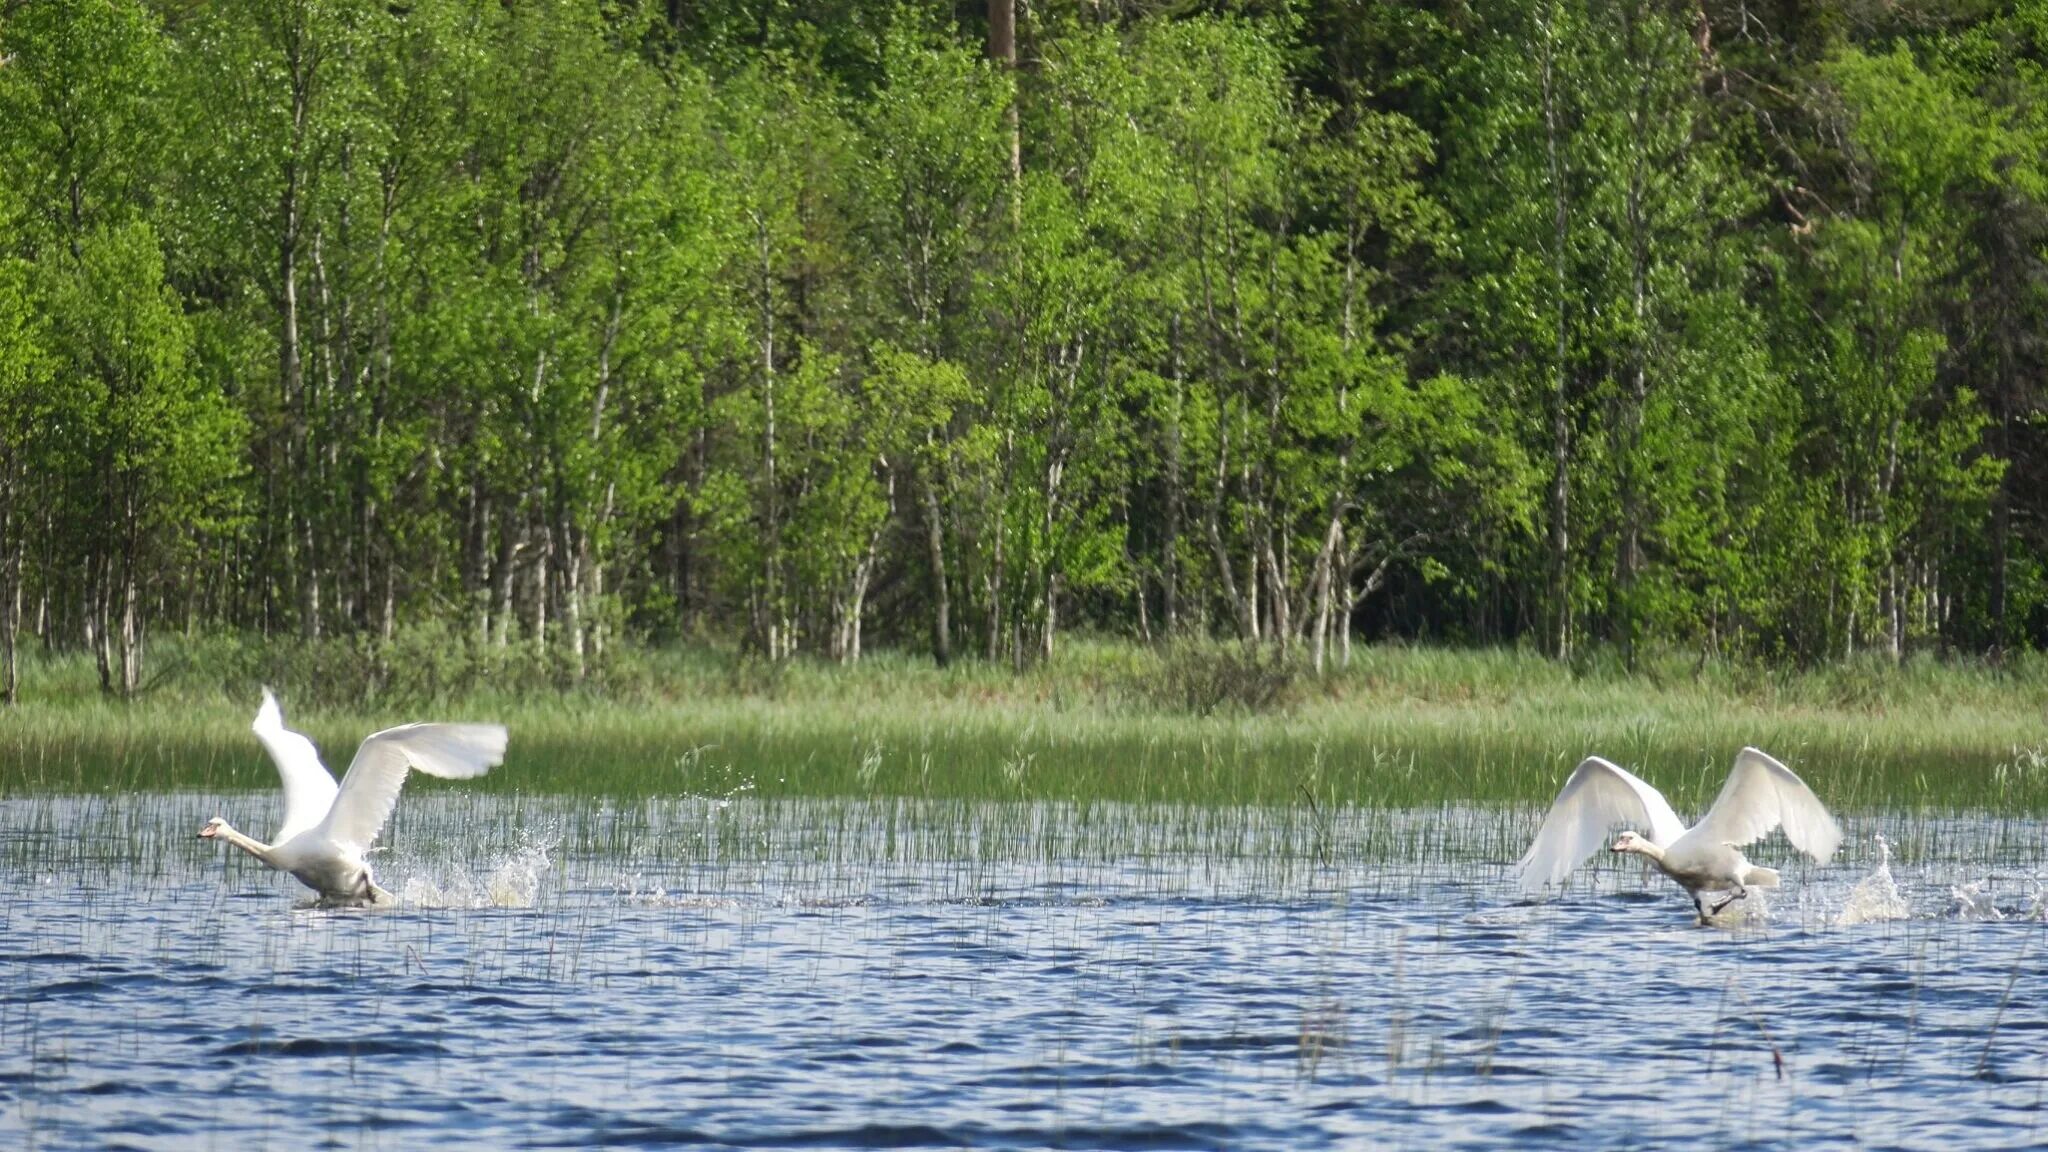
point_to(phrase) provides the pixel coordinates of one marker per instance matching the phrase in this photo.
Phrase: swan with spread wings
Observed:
(327, 828)
(1760, 794)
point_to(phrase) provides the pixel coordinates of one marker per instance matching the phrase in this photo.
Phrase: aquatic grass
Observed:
(1327, 755)
(1402, 727)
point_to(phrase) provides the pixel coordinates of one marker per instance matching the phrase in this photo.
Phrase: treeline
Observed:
(817, 325)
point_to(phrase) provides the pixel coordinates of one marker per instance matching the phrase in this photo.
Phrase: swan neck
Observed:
(249, 844)
(1648, 848)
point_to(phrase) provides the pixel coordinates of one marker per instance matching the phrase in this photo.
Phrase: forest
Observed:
(809, 328)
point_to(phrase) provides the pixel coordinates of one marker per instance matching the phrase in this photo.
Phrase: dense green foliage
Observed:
(1584, 324)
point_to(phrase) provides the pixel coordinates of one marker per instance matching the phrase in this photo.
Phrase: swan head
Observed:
(214, 827)
(1629, 842)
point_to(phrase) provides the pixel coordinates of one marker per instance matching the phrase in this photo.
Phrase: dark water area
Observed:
(1013, 983)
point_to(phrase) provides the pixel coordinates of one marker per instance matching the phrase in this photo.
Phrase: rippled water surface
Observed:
(886, 974)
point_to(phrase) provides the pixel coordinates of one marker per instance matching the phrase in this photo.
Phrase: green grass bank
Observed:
(1204, 724)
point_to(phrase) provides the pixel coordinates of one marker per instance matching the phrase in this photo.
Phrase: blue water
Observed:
(578, 986)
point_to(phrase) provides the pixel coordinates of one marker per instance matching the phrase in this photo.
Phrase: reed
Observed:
(1105, 722)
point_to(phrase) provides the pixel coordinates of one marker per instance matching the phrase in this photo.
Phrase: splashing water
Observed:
(511, 881)
(1975, 904)
(1876, 896)
(1752, 911)
(637, 889)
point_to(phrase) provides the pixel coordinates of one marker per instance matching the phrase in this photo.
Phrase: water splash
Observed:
(637, 889)
(1975, 904)
(510, 881)
(1876, 897)
(1752, 911)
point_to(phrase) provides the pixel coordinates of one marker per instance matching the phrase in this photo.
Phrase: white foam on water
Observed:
(1876, 897)
(1975, 904)
(1752, 911)
(631, 890)
(510, 881)
(641, 892)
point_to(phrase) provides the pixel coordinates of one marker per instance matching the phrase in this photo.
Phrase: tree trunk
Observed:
(291, 368)
(45, 632)
(1628, 559)
(768, 605)
(503, 572)
(994, 580)
(1277, 578)
(1560, 413)
(10, 607)
(1169, 558)
(1052, 614)
(1251, 573)
(96, 622)
(1055, 472)
(575, 554)
(131, 635)
(1326, 563)
(1002, 48)
(935, 540)
(538, 628)
(863, 573)
(309, 585)
(388, 620)
(1346, 628)
(11, 549)
(1247, 629)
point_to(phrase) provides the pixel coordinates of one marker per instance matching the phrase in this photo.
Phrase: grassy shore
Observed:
(1200, 724)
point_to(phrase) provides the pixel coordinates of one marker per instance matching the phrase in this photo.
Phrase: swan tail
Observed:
(1760, 878)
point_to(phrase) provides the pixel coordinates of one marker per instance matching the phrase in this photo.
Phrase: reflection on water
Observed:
(862, 974)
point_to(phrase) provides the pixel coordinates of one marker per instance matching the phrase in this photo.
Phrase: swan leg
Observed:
(1740, 893)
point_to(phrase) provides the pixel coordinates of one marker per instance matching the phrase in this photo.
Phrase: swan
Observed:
(1759, 795)
(327, 828)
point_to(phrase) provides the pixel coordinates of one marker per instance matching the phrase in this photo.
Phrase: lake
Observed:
(734, 971)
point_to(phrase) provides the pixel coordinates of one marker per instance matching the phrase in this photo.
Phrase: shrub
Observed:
(1204, 677)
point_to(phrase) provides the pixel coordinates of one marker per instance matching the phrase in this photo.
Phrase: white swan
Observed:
(1760, 794)
(326, 829)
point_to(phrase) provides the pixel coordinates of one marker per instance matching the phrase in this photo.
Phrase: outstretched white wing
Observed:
(308, 789)
(1762, 794)
(1598, 796)
(454, 751)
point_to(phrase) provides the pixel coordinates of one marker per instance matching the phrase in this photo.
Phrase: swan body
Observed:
(328, 827)
(1760, 794)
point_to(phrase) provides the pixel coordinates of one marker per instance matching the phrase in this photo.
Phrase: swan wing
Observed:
(308, 788)
(1598, 795)
(368, 792)
(1762, 794)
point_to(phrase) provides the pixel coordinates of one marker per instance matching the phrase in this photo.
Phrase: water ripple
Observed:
(786, 997)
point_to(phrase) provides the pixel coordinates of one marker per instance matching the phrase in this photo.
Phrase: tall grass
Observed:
(1102, 722)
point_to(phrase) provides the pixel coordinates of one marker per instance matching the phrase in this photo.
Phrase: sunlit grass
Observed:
(1401, 727)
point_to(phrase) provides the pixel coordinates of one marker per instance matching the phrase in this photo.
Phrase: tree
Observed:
(930, 184)
(24, 470)
(142, 444)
